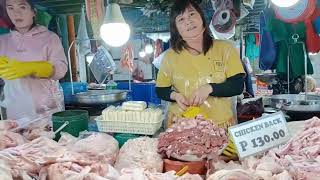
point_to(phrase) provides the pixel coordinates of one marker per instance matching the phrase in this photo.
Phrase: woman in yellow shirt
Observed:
(198, 71)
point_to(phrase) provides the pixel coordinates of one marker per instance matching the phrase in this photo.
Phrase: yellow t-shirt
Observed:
(186, 72)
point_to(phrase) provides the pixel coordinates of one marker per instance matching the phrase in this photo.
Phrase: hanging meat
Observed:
(138, 74)
(127, 57)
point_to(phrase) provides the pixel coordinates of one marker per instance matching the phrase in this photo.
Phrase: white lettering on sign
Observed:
(259, 135)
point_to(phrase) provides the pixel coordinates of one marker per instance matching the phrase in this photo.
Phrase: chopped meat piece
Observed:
(192, 140)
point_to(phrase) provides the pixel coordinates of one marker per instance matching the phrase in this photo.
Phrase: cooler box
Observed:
(67, 90)
(141, 91)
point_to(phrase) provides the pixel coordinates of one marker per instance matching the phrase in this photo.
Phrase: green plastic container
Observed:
(78, 121)
(122, 138)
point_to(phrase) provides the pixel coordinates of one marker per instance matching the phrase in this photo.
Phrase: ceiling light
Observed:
(148, 49)
(114, 30)
(89, 58)
(284, 3)
(142, 54)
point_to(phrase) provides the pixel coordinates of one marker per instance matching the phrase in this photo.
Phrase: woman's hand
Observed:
(200, 95)
(180, 99)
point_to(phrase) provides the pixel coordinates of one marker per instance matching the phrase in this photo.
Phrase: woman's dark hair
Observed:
(30, 2)
(177, 43)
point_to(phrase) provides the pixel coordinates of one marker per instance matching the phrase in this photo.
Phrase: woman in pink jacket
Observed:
(32, 60)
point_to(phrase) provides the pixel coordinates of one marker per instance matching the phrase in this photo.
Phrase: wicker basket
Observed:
(128, 127)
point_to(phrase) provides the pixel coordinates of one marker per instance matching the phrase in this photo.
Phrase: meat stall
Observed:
(191, 149)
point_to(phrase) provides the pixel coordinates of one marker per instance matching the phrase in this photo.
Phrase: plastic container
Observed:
(78, 121)
(123, 85)
(123, 138)
(141, 91)
(128, 127)
(197, 167)
(67, 90)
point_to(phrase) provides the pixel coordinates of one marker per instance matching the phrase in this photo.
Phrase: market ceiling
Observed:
(134, 12)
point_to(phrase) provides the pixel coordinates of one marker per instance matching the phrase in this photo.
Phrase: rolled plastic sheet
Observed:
(82, 36)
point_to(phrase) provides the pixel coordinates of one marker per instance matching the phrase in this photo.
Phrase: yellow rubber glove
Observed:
(18, 69)
(231, 150)
(192, 112)
(3, 60)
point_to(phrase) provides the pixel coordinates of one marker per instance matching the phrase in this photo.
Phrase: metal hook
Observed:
(295, 38)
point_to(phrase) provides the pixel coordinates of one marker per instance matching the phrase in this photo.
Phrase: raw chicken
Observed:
(283, 176)
(268, 164)
(301, 154)
(190, 177)
(140, 153)
(40, 128)
(264, 168)
(235, 174)
(142, 174)
(297, 159)
(98, 147)
(10, 139)
(67, 140)
(73, 171)
(7, 125)
(31, 156)
(5, 171)
(214, 166)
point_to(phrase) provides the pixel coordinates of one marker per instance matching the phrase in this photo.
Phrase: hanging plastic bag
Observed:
(13, 93)
(102, 64)
(268, 50)
(82, 37)
(58, 97)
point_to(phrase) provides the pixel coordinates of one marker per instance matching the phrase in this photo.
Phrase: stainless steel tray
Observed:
(296, 102)
(95, 97)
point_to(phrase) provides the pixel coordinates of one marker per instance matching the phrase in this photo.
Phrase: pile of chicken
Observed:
(71, 158)
(297, 159)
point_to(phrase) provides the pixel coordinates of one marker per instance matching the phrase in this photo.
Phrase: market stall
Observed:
(114, 126)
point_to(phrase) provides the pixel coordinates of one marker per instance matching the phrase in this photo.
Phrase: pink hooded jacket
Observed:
(39, 44)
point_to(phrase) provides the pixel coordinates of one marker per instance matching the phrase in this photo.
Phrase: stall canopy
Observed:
(143, 15)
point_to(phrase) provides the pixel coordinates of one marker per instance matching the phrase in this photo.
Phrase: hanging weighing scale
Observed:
(301, 11)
